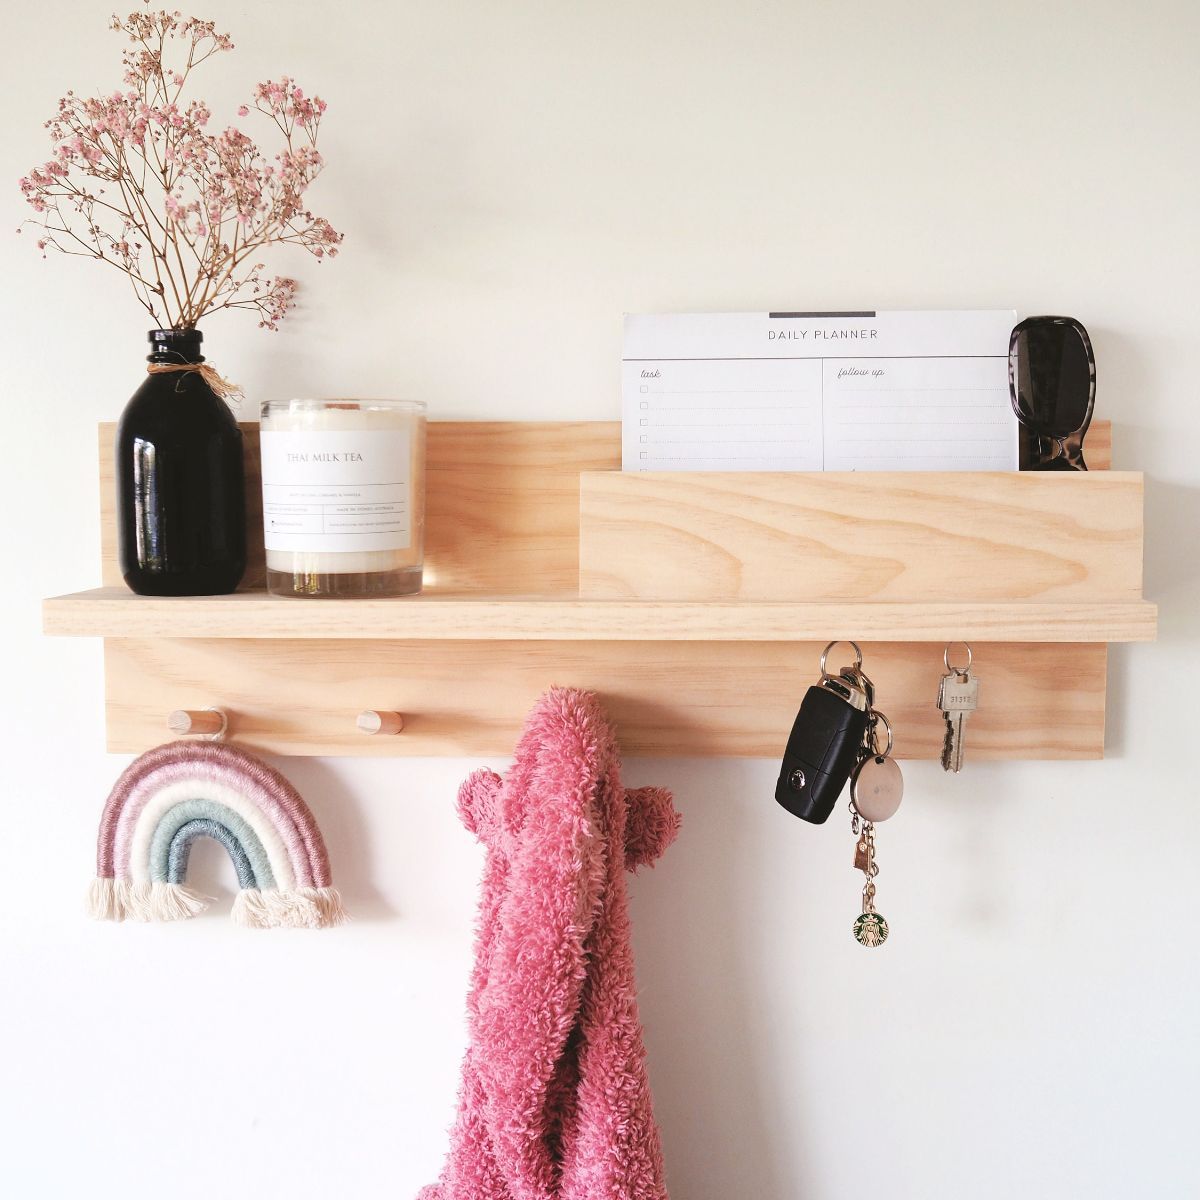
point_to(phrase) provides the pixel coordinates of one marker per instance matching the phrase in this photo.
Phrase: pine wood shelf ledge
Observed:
(544, 565)
(115, 612)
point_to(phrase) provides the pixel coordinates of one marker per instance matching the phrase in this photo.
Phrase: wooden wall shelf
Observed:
(660, 593)
(115, 612)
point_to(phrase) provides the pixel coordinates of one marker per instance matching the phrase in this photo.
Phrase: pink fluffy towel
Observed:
(554, 1102)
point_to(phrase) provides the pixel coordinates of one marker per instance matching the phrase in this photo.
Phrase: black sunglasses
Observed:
(1052, 384)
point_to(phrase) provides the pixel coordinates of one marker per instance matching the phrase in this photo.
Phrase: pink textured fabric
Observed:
(178, 761)
(554, 1102)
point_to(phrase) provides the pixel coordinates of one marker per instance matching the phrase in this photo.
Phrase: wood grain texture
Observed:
(501, 620)
(502, 504)
(667, 698)
(1099, 446)
(115, 612)
(502, 510)
(861, 536)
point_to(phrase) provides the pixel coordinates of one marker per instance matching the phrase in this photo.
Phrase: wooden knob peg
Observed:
(208, 721)
(374, 720)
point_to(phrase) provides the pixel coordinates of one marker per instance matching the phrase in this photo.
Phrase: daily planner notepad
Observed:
(809, 391)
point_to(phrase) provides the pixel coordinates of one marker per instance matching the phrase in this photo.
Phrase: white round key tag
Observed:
(877, 787)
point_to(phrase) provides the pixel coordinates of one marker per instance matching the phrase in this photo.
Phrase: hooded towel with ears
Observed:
(554, 1102)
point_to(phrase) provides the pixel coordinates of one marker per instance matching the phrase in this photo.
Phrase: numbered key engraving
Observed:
(958, 698)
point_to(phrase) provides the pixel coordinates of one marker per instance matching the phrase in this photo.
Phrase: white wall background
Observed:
(512, 177)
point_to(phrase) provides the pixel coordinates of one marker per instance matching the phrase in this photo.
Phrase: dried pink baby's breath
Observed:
(137, 180)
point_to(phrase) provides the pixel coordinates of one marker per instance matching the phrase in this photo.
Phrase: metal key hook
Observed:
(858, 659)
(960, 671)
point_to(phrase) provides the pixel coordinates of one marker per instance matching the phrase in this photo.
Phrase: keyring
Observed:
(878, 716)
(825, 655)
(946, 658)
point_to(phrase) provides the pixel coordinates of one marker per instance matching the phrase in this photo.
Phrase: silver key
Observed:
(958, 698)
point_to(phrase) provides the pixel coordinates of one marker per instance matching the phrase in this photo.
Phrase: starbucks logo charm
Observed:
(870, 929)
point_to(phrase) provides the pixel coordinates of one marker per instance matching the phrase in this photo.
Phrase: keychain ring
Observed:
(958, 670)
(887, 725)
(825, 655)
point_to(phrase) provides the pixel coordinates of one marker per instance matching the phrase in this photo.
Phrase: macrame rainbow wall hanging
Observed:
(173, 795)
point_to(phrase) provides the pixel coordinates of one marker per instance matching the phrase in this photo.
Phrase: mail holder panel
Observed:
(907, 536)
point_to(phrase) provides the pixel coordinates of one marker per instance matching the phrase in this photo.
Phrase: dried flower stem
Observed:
(136, 181)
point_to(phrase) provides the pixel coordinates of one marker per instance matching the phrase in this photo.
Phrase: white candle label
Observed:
(336, 492)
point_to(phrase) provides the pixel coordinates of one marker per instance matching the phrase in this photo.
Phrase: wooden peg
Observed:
(211, 722)
(374, 720)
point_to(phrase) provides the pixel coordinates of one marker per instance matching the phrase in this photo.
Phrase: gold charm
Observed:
(870, 929)
(860, 854)
(875, 791)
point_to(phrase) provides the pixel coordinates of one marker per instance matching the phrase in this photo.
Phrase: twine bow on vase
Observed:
(231, 393)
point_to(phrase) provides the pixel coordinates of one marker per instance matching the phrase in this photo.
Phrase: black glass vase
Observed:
(181, 499)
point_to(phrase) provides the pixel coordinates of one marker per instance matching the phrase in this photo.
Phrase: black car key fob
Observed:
(823, 747)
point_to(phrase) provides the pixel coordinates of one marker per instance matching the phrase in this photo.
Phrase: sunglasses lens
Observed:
(1053, 377)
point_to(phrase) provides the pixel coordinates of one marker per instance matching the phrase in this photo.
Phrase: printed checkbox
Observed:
(644, 421)
(644, 438)
(643, 388)
(643, 404)
(643, 455)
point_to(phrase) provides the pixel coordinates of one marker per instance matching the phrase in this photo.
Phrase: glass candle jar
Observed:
(343, 496)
